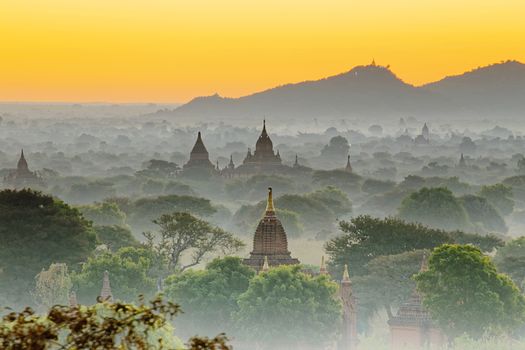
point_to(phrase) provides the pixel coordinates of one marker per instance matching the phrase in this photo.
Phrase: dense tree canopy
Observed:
(465, 294)
(129, 270)
(183, 235)
(500, 196)
(365, 238)
(481, 213)
(100, 326)
(337, 147)
(342, 179)
(115, 237)
(285, 308)
(388, 281)
(143, 211)
(105, 213)
(373, 186)
(210, 295)
(35, 231)
(510, 259)
(430, 206)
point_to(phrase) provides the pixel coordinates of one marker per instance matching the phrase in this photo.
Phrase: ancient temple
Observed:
(105, 292)
(263, 159)
(199, 158)
(229, 170)
(412, 327)
(270, 242)
(425, 132)
(424, 137)
(462, 163)
(23, 177)
(349, 327)
(348, 167)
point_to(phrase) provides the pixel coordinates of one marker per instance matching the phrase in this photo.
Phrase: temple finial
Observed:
(346, 275)
(269, 203)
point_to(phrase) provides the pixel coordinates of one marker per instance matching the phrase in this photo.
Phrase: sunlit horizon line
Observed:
(171, 102)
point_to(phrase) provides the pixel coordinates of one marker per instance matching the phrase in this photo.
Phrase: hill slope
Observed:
(374, 91)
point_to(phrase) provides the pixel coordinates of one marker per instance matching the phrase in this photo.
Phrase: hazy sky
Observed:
(172, 50)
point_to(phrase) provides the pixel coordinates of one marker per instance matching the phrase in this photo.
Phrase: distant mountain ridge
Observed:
(375, 91)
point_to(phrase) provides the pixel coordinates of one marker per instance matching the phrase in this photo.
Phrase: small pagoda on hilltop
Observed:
(22, 177)
(199, 158)
(270, 244)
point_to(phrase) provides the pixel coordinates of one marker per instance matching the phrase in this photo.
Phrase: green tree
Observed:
(52, 286)
(373, 186)
(285, 308)
(143, 211)
(116, 237)
(465, 294)
(158, 168)
(335, 199)
(510, 259)
(337, 147)
(481, 212)
(104, 214)
(37, 230)
(500, 196)
(100, 326)
(179, 189)
(210, 294)
(129, 270)
(430, 206)
(365, 238)
(388, 281)
(181, 233)
(344, 180)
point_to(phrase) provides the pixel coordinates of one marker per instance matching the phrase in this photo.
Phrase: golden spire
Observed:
(346, 276)
(269, 204)
(322, 269)
(266, 265)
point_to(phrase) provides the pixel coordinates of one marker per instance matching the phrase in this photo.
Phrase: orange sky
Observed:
(172, 50)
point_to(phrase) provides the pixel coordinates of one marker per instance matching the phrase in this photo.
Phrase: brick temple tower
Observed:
(270, 241)
(348, 167)
(412, 328)
(349, 327)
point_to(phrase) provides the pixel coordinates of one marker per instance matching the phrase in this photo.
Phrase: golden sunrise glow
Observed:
(172, 50)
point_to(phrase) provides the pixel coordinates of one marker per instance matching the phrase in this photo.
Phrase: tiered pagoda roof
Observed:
(270, 241)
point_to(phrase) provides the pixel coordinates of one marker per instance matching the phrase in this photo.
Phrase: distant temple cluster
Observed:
(22, 177)
(263, 160)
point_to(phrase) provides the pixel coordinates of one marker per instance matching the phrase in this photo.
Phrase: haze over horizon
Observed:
(172, 51)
